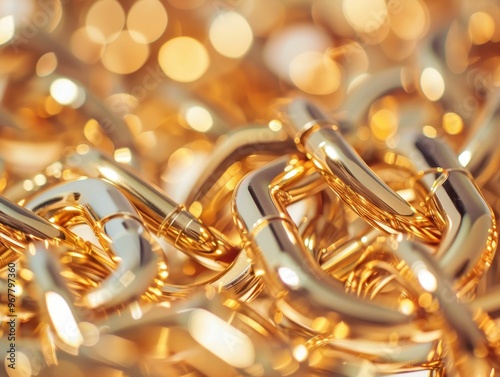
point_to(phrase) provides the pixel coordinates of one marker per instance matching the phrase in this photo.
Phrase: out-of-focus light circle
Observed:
(481, 27)
(331, 14)
(452, 123)
(20, 10)
(288, 43)
(23, 366)
(124, 54)
(275, 125)
(46, 64)
(464, 158)
(315, 73)
(289, 277)
(147, 20)
(107, 18)
(64, 91)
(7, 28)
(84, 47)
(365, 16)
(384, 124)
(427, 280)
(432, 84)
(231, 34)
(186, 4)
(429, 131)
(300, 353)
(263, 15)
(199, 118)
(411, 20)
(183, 59)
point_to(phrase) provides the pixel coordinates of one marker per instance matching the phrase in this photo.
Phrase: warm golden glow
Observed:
(63, 320)
(432, 84)
(124, 54)
(425, 300)
(481, 28)
(123, 155)
(107, 19)
(28, 185)
(464, 158)
(7, 28)
(286, 44)
(321, 324)
(220, 338)
(147, 20)
(90, 333)
(46, 64)
(406, 306)
(23, 365)
(452, 123)
(429, 131)
(40, 179)
(85, 47)
(427, 280)
(410, 21)
(182, 157)
(66, 92)
(289, 277)
(231, 35)
(300, 353)
(275, 125)
(186, 4)
(199, 118)
(183, 59)
(341, 330)
(365, 16)
(384, 124)
(315, 73)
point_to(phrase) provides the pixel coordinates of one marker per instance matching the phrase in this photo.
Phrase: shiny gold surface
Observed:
(249, 188)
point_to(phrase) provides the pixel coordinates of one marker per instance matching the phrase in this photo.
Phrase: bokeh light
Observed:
(481, 27)
(288, 43)
(66, 92)
(107, 19)
(410, 22)
(452, 123)
(432, 84)
(183, 59)
(84, 46)
(147, 20)
(365, 16)
(315, 73)
(231, 34)
(7, 28)
(46, 64)
(124, 54)
(198, 118)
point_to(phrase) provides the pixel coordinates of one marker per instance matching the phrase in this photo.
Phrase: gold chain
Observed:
(249, 188)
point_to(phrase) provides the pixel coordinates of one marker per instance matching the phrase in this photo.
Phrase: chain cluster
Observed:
(249, 188)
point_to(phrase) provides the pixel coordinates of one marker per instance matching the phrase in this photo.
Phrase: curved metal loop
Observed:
(19, 226)
(480, 151)
(166, 218)
(57, 301)
(290, 273)
(470, 237)
(117, 225)
(235, 147)
(347, 174)
(236, 277)
(465, 335)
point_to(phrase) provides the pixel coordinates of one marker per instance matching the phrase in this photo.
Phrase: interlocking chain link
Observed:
(249, 188)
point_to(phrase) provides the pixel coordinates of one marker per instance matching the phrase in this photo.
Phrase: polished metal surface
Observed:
(198, 188)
